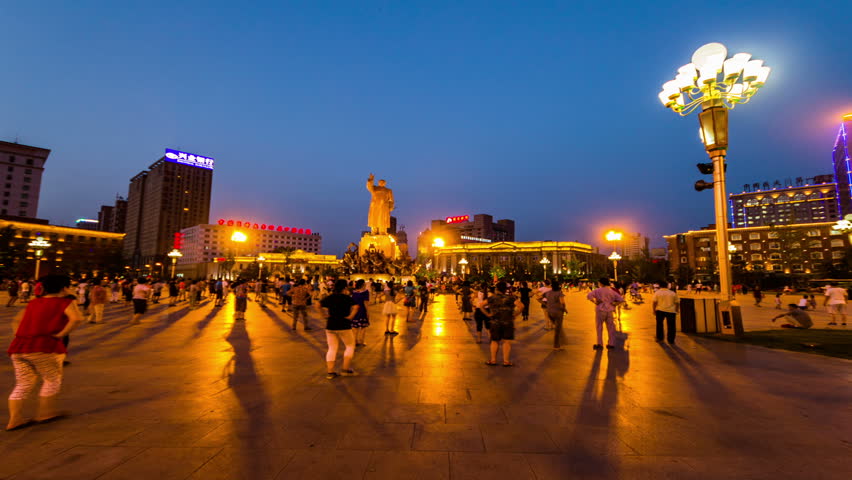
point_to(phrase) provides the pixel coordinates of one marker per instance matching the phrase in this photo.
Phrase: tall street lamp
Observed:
(614, 237)
(615, 257)
(716, 84)
(260, 260)
(174, 255)
(544, 263)
(463, 264)
(437, 242)
(39, 244)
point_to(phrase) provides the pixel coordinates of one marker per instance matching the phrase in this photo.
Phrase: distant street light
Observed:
(260, 260)
(39, 244)
(463, 264)
(716, 84)
(174, 255)
(544, 263)
(615, 257)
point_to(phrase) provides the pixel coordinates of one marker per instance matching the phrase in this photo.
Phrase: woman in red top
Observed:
(37, 350)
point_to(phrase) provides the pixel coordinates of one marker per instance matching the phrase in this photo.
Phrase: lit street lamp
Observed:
(174, 255)
(716, 84)
(463, 264)
(544, 263)
(260, 261)
(437, 242)
(615, 257)
(39, 244)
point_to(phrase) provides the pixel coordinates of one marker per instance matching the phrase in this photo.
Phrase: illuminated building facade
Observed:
(111, 218)
(843, 166)
(634, 245)
(173, 194)
(460, 229)
(22, 167)
(786, 249)
(205, 243)
(274, 265)
(810, 200)
(518, 256)
(73, 251)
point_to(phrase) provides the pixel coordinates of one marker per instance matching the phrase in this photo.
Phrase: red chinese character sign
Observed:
(458, 219)
(264, 226)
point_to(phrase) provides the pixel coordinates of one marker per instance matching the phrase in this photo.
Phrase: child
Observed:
(803, 303)
(778, 301)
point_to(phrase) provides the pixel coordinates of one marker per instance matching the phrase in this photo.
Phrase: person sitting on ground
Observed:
(803, 302)
(798, 318)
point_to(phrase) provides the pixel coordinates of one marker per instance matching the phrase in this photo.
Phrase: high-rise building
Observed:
(809, 200)
(111, 218)
(459, 229)
(843, 166)
(22, 165)
(205, 243)
(634, 244)
(173, 194)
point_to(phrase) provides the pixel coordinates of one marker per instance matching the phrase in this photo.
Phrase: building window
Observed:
(755, 257)
(702, 259)
(774, 246)
(795, 245)
(736, 236)
(25, 195)
(777, 268)
(24, 205)
(798, 268)
(813, 233)
(27, 179)
(29, 161)
(754, 236)
(838, 254)
(28, 171)
(11, 159)
(815, 244)
(775, 256)
(772, 235)
(837, 242)
(816, 255)
(755, 246)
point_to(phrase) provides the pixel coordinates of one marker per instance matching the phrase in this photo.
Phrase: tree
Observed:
(10, 253)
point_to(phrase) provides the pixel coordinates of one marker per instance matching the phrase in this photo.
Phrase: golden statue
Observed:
(380, 207)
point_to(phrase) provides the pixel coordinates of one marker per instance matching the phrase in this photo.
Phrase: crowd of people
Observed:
(55, 305)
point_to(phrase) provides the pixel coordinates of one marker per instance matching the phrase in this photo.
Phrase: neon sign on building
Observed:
(459, 219)
(190, 159)
(264, 226)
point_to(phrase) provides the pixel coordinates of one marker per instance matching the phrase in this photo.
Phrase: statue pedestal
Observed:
(385, 244)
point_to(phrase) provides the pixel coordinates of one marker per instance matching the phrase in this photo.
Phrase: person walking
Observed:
(141, 293)
(466, 301)
(361, 320)
(339, 310)
(545, 287)
(524, 290)
(13, 290)
(758, 295)
(835, 299)
(481, 315)
(26, 287)
(389, 309)
(504, 307)
(37, 351)
(300, 294)
(423, 293)
(410, 300)
(605, 299)
(241, 292)
(665, 306)
(556, 312)
(98, 297)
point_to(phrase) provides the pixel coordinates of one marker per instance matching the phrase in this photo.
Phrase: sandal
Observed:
(491, 364)
(508, 364)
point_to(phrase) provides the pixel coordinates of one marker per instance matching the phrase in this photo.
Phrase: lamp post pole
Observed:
(260, 261)
(615, 257)
(699, 84)
(544, 263)
(39, 244)
(174, 255)
(463, 264)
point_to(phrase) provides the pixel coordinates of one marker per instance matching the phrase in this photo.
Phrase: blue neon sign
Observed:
(190, 159)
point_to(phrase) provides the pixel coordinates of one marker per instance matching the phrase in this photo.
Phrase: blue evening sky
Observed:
(543, 112)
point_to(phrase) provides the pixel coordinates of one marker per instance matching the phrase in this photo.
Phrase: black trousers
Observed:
(669, 318)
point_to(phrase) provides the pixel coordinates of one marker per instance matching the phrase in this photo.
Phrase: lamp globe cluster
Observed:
(712, 79)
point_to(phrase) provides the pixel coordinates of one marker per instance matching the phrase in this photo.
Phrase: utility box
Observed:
(700, 315)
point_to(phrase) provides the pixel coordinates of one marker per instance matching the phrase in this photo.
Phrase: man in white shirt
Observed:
(665, 307)
(545, 287)
(141, 293)
(835, 298)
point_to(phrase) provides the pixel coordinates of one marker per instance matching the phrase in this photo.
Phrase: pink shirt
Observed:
(607, 298)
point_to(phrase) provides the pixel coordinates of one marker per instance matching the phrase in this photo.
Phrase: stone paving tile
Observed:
(83, 463)
(517, 438)
(257, 391)
(448, 437)
(493, 466)
(326, 465)
(383, 436)
(244, 463)
(162, 463)
(408, 466)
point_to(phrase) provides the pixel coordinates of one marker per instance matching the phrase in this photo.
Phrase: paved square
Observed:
(194, 394)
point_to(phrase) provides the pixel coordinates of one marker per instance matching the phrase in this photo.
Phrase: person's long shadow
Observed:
(250, 393)
(170, 318)
(202, 324)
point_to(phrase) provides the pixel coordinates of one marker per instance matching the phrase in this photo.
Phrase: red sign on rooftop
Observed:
(264, 226)
(459, 219)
